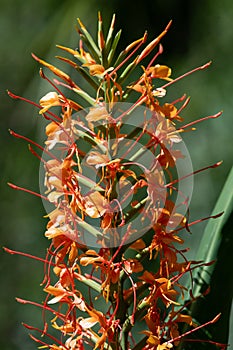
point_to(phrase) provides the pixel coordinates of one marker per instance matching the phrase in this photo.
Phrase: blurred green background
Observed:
(201, 31)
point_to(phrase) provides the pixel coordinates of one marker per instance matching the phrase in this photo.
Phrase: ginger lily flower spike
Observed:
(119, 177)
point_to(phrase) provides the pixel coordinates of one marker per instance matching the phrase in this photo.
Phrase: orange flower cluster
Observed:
(111, 173)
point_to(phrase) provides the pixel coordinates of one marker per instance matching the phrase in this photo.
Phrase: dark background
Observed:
(201, 31)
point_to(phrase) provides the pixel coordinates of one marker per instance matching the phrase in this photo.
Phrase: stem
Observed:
(88, 282)
(141, 344)
(140, 309)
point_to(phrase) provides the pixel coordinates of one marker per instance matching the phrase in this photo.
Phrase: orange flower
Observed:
(98, 113)
(61, 294)
(49, 100)
(95, 205)
(133, 265)
(160, 71)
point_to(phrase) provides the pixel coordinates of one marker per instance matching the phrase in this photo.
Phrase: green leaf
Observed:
(141, 344)
(85, 96)
(86, 36)
(212, 236)
(97, 57)
(217, 245)
(128, 70)
(110, 34)
(101, 43)
(141, 308)
(89, 183)
(87, 77)
(89, 228)
(114, 46)
(89, 282)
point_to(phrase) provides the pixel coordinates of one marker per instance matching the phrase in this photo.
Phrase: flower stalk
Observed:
(112, 173)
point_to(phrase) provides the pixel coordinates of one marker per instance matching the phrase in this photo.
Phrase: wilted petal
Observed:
(96, 69)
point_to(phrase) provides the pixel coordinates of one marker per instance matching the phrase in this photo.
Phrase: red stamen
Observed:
(160, 51)
(23, 99)
(15, 187)
(186, 74)
(44, 333)
(130, 55)
(194, 173)
(201, 120)
(44, 306)
(87, 275)
(32, 142)
(215, 319)
(35, 153)
(174, 279)
(141, 99)
(186, 102)
(62, 84)
(34, 104)
(135, 143)
(180, 99)
(220, 345)
(121, 244)
(39, 341)
(43, 76)
(198, 221)
(10, 251)
(47, 270)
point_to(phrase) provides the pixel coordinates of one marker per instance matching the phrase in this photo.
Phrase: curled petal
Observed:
(96, 69)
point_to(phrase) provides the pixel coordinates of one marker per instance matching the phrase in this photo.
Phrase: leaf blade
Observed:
(212, 237)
